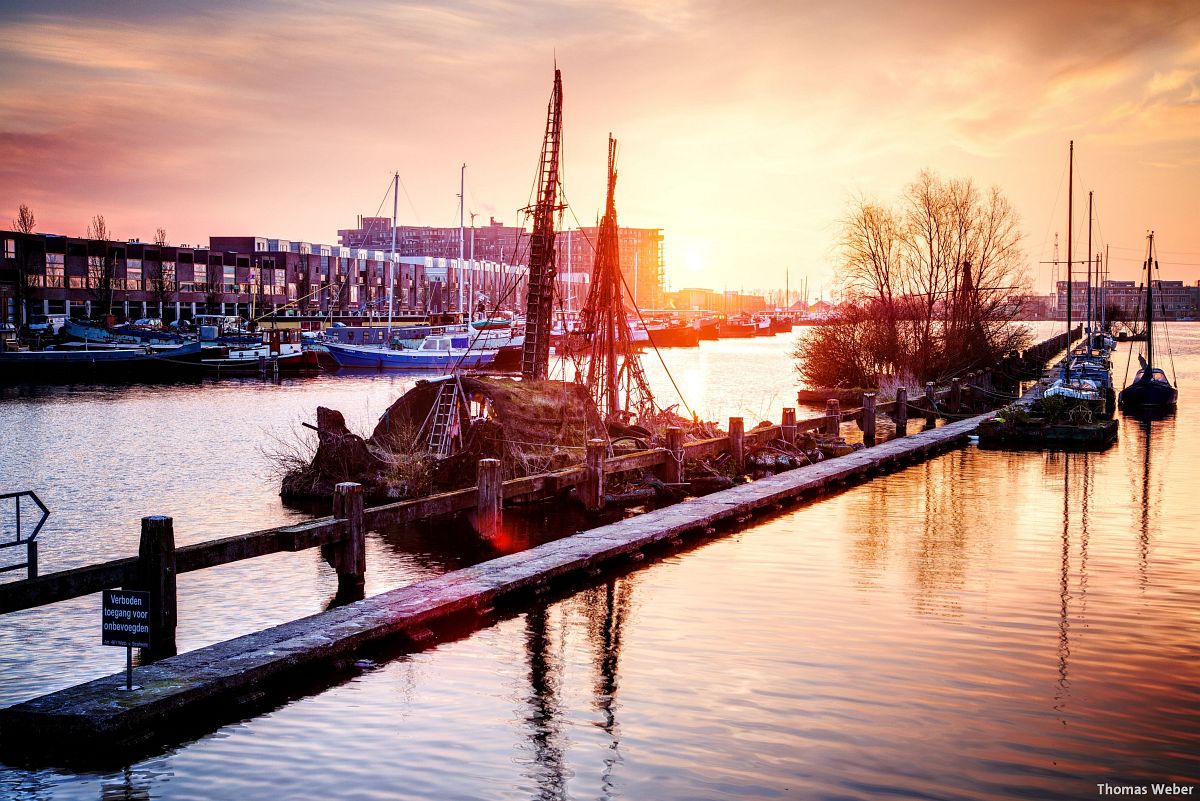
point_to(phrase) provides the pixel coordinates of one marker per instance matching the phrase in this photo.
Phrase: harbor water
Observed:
(984, 625)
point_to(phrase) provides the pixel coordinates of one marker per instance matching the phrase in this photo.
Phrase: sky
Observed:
(745, 128)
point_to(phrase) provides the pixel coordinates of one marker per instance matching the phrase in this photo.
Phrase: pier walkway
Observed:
(194, 691)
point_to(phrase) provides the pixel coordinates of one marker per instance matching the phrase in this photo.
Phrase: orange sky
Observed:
(744, 127)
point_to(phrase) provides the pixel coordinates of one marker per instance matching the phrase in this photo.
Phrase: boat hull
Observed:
(1148, 395)
(105, 364)
(371, 358)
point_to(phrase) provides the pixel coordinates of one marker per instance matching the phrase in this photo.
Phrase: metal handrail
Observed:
(29, 542)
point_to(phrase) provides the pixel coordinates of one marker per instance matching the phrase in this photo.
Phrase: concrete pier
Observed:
(201, 689)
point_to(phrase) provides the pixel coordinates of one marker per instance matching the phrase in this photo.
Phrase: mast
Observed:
(462, 182)
(539, 303)
(1070, 203)
(392, 256)
(1089, 276)
(1149, 308)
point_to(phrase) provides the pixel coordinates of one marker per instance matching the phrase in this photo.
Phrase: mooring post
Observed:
(592, 490)
(931, 404)
(674, 467)
(901, 411)
(489, 513)
(737, 443)
(833, 417)
(955, 395)
(350, 553)
(789, 425)
(156, 574)
(868, 418)
(31, 565)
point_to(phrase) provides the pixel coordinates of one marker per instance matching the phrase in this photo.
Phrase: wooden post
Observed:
(489, 513)
(737, 443)
(789, 425)
(868, 418)
(350, 553)
(901, 411)
(591, 492)
(674, 468)
(833, 417)
(955, 395)
(156, 574)
(931, 402)
(31, 565)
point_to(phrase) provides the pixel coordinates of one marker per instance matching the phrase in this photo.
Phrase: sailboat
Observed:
(1150, 390)
(1074, 384)
(464, 347)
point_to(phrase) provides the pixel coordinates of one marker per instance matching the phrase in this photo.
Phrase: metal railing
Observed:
(30, 541)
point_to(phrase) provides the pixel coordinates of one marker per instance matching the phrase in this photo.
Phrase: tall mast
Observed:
(1149, 307)
(471, 301)
(1070, 203)
(392, 257)
(539, 302)
(1089, 276)
(462, 182)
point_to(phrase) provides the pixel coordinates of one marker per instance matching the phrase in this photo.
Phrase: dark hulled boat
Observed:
(1150, 390)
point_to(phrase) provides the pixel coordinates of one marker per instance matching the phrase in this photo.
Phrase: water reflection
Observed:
(546, 740)
(606, 609)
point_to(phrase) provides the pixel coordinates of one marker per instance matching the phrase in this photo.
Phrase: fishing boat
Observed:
(708, 327)
(672, 334)
(739, 327)
(1150, 390)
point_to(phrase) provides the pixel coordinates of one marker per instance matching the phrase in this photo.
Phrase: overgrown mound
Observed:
(530, 426)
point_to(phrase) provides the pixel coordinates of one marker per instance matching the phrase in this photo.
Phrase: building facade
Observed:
(1172, 299)
(641, 253)
(241, 275)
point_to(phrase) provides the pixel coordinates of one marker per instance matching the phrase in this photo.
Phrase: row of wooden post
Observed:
(490, 509)
(156, 570)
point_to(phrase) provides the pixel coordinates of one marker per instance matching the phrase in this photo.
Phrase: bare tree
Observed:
(24, 224)
(102, 264)
(161, 280)
(932, 284)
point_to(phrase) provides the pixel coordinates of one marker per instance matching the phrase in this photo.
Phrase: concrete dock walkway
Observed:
(200, 689)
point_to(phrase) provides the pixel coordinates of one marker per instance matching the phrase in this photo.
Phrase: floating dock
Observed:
(196, 691)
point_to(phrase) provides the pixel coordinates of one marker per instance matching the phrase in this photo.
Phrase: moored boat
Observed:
(1150, 390)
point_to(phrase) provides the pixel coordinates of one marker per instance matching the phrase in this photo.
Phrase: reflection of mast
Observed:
(543, 708)
(1064, 590)
(535, 356)
(606, 637)
(1144, 528)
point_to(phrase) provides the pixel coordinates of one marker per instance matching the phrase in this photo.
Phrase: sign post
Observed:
(125, 620)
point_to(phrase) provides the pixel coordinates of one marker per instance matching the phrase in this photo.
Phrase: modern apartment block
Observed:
(641, 252)
(1173, 299)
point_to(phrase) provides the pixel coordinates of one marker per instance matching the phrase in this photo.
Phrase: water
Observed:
(984, 625)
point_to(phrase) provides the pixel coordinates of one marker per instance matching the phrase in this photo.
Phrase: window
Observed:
(230, 278)
(280, 277)
(133, 274)
(54, 269)
(291, 291)
(168, 275)
(10, 248)
(354, 293)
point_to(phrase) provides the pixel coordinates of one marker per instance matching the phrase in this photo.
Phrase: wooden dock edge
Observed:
(199, 690)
